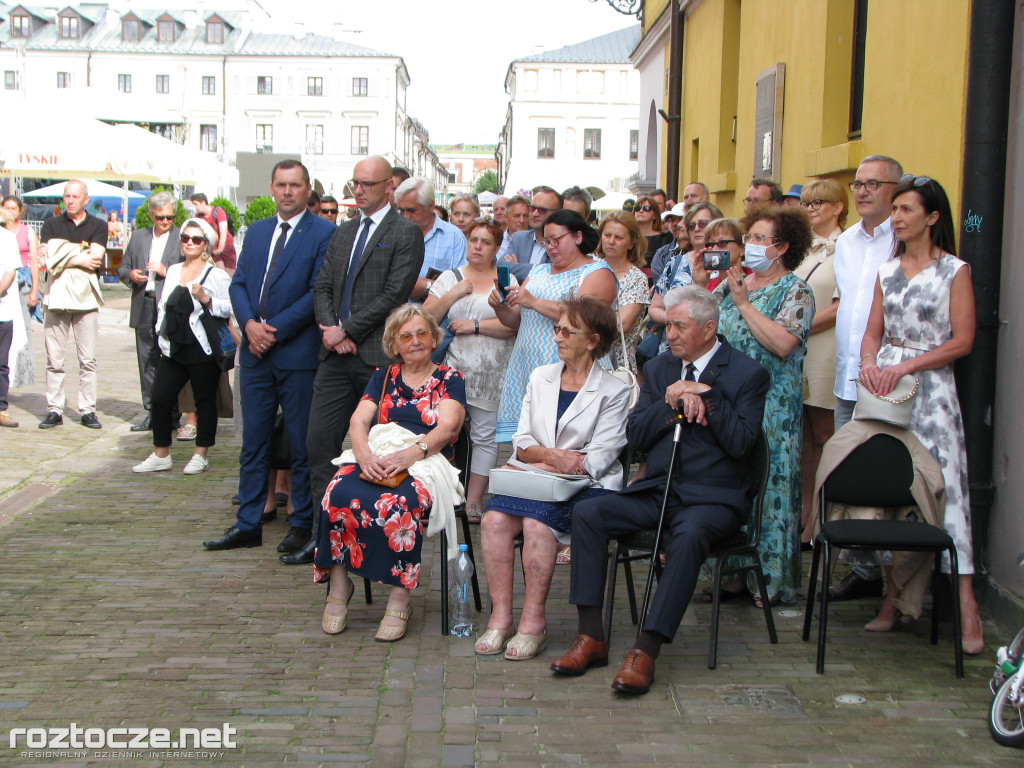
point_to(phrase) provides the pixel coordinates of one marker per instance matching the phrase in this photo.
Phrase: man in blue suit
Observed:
(272, 297)
(719, 393)
(525, 249)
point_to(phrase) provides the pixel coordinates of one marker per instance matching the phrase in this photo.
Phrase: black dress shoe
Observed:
(302, 556)
(234, 538)
(296, 539)
(853, 587)
(89, 420)
(143, 426)
(53, 419)
(235, 500)
(268, 517)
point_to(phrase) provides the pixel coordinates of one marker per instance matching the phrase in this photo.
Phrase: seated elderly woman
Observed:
(370, 524)
(572, 422)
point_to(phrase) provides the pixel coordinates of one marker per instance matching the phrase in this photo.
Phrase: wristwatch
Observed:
(423, 447)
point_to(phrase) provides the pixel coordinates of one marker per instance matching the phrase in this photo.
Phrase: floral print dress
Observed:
(371, 530)
(790, 302)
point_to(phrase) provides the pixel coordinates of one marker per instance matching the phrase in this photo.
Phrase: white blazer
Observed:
(216, 285)
(594, 423)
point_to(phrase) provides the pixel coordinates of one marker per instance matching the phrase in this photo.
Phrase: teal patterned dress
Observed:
(790, 302)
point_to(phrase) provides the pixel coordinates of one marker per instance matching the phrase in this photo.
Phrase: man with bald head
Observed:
(498, 208)
(75, 243)
(370, 269)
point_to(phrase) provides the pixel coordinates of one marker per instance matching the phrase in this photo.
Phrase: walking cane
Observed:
(676, 437)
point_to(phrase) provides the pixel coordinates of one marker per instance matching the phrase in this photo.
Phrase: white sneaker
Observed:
(196, 465)
(153, 463)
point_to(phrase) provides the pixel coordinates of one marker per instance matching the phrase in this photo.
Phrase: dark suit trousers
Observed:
(146, 349)
(687, 538)
(263, 388)
(340, 383)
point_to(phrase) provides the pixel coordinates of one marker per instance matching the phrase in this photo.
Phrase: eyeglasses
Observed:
(719, 244)
(566, 331)
(871, 184)
(406, 336)
(164, 218)
(815, 205)
(696, 225)
(328, 210)
(760, 239)
(539, 209)
(356, 184)
(918, 181)
(645, 208)
(552, 242)
(194, 239)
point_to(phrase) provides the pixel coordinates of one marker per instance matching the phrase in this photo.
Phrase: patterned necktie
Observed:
(690, 372)
(344, 306)
(274, 258)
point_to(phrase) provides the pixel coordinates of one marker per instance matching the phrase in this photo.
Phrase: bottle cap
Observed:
(463, 548)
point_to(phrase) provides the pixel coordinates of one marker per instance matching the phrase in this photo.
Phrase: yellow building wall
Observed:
(914, 90)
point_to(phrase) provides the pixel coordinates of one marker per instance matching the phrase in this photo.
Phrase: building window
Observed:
(360, 140)
(69, 27)
(130, 30)
(163, 83)
(592, 143)
(63, 79)
(21, 26)
(315, 139)
(208, 138)
(165, 31)
(545, 142)
(264, 85)
(634, 145)
(314, 86)
(264, 138)
(860, 33)
(209, 86)
(530, 81)
(588, 81)
(10, 80)
(360, 86)
(124, 83)
(214, 32)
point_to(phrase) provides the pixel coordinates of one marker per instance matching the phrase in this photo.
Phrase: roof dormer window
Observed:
(130, 30)
(166, 31)
(21, 26)
(70, 27)
(214, 31)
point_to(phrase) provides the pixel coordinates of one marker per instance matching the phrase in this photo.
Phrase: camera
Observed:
(716, 260)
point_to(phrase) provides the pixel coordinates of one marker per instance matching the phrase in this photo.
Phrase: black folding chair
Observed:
(878, 473)
(743, 544)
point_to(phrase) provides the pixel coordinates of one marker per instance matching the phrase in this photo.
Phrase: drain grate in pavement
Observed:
(725, 701)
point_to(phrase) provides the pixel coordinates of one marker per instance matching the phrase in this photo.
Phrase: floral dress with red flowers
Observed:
(373, 531)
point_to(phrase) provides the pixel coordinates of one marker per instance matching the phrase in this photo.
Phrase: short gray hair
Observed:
(421, 186)
(579, 194)
(894, 167)
(160, 200)
(703, 303)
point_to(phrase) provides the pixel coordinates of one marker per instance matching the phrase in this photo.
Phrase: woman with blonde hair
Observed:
(623, 248)
(464, 211)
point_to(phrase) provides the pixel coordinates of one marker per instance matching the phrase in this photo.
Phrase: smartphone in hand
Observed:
(504, 281)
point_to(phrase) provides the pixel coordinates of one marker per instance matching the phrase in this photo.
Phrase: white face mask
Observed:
(755, 257)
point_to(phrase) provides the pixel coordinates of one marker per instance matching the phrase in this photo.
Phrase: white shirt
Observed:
(506, 243)
(539, 251)
(857, 259)
(375, 219)
(293, 222)
(156, 253)
(10, 260)
(701, 362)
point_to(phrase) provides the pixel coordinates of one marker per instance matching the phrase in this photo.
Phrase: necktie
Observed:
(344, 308)
(690, 372)
(274, 257)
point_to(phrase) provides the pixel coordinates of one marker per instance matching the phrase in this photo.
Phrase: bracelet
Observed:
(476, 327)
(426, 293)
(863, 356)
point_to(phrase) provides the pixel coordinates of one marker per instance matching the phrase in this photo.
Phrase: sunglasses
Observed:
(406, 336)
(565, 331)
(719, 244)
(645, 208)
(194, 239)
(328, 210)
(918, 181)
(540, 209)
(164, 218)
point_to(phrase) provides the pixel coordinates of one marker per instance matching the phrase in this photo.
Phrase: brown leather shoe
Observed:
(585, 652)
(637, 673)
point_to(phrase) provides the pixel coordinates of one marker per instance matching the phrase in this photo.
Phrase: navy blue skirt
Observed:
(556, 514)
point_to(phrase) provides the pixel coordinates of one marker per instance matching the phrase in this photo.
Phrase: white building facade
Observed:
(572, 117)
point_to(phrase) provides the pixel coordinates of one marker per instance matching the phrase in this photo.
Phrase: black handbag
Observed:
(222, 343)
(437, 356)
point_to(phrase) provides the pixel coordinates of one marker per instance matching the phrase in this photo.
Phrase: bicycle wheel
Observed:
(1005, 719)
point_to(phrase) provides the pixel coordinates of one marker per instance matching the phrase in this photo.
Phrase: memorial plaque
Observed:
(768, 110)
(736, 701)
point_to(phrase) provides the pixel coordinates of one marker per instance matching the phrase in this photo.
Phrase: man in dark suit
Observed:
(525, 249)
(149, 253)
(370, 269)
(272, 297)
(719, 393)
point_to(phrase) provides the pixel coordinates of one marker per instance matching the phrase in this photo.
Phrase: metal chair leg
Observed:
(444, 583)
(811, 584)
(823, 621)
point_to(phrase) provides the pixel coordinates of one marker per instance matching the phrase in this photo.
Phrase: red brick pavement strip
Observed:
(111, 613)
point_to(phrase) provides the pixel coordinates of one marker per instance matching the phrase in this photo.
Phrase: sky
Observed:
(458, 52)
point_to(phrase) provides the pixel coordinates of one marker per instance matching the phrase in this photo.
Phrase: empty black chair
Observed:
(743, 544)
(878, 473)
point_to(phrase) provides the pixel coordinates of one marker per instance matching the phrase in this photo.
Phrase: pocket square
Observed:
(383, 245)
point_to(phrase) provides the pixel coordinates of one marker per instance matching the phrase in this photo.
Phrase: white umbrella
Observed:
(95, 188)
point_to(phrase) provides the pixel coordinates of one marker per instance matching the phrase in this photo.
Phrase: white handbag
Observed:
(536, 484)
(624, 373)
(894, 408)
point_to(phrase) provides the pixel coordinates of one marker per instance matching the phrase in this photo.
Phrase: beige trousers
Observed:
(57, 329)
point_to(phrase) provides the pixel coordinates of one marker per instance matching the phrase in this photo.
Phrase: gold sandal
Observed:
(389, 634)
(335, 625)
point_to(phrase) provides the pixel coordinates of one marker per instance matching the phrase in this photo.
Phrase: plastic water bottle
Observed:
(464, 609)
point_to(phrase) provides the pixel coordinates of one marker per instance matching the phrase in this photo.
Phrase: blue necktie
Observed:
(690, 372)
(344, 307)
(274, 257)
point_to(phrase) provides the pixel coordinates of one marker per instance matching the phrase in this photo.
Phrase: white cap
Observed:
(678, 210)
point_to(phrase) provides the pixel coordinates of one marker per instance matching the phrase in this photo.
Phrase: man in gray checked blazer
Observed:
(387, 251)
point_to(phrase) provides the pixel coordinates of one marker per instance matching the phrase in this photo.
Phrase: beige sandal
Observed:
(335, 625)
(493, 641)
(388, 634)
(526, 646)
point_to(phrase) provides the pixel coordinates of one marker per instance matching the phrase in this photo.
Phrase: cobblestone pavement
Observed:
(112, 614)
